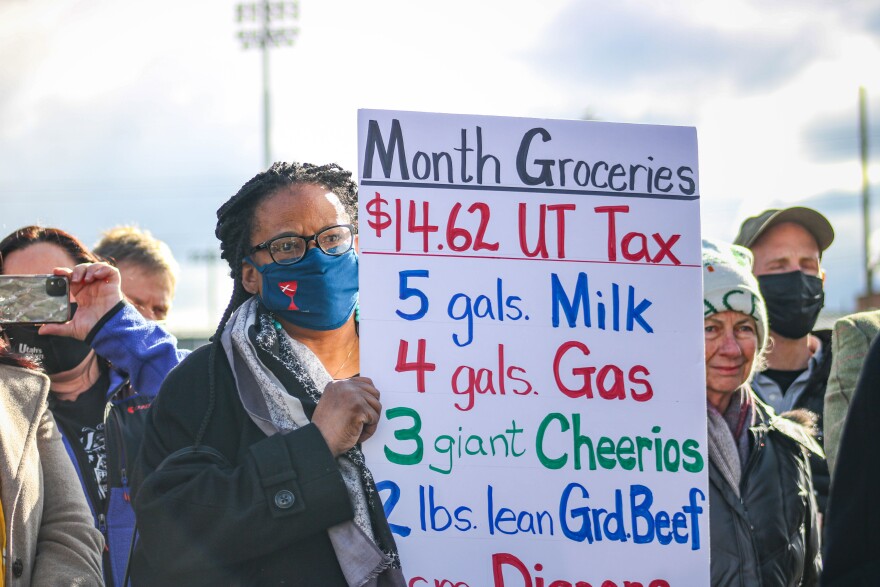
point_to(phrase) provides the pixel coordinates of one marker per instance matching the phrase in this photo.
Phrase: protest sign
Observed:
(531, 311)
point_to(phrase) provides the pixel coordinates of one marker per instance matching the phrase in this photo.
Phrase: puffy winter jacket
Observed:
(767, 536)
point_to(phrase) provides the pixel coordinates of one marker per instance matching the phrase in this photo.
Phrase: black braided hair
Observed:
(235, 224)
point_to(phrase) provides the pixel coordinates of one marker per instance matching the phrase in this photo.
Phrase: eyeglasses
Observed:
(289, 249)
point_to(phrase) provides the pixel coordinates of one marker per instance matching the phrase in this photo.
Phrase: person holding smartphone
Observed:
(105, 366)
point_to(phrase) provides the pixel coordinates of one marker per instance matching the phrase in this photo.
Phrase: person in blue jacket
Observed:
(105, 365)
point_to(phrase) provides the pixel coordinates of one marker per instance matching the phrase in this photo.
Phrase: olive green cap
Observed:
(814, 222)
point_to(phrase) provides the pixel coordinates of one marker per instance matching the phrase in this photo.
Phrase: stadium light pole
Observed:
(258, 18)
(866, 191)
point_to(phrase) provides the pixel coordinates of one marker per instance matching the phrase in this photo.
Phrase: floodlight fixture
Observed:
(264, 14)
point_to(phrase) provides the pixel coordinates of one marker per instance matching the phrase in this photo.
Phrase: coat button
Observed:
(17, 567)
(284, 499)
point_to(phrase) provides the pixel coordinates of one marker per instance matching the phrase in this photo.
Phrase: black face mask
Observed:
(793, 302)
(56, 353)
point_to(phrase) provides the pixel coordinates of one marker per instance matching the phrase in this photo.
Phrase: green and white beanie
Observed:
(728, 284)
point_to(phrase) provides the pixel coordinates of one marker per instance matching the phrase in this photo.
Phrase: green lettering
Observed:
(557, 463)
(690, 448)
(626, 447)
(411, 433)
(642, 443)
(671, 455)
(603, 450)
(579, 441)
(448, 450)
(513, 430)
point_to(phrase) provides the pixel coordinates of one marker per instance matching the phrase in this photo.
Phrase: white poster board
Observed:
(531, 311)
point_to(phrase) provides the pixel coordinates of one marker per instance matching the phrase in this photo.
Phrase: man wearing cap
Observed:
(787, 245)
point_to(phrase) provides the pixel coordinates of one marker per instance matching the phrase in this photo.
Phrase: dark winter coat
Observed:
(223, 514)
(768, 536)
(852, 552)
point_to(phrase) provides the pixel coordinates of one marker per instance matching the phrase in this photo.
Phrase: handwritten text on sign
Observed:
(531, 312)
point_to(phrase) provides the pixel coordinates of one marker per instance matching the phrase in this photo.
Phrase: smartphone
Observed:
(35, 299)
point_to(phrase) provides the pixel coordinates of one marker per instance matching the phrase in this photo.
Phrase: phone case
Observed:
(35, 299)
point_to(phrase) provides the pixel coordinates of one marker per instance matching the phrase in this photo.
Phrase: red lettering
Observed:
(634, 245)
(585, 372)
(453, 232)
(648, 393)
(612, 229)
(420, 366)
(425, 228)
(666, 248)
(479, 240)
(609, 379)
(639, 255)
(541, 247)
(437, 582)
(560, 210)
(467, 380)
(397, 225)
(512, 377)
(500, 559)
(616, 391)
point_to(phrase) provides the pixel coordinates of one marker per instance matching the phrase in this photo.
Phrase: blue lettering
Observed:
(584, 531)
(664, 537)
(634, 313)
(679, 522)
(694, 511)
(571, 309)
(463, 307)
(467, 313)
(641, 510)
(539, 523)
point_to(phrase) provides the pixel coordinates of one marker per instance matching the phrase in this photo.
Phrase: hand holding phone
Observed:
(96, 289)
(34, 299)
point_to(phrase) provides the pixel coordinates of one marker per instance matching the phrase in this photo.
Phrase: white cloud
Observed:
(117, 111)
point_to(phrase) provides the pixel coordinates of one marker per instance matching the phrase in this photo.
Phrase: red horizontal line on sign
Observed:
(394, 254)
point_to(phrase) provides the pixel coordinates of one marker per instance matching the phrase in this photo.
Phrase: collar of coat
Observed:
(22, 403)
(798, 425)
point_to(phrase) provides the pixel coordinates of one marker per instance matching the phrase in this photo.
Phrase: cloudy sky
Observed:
(150, 113)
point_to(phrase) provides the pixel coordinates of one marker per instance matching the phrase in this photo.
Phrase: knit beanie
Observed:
(728, 284)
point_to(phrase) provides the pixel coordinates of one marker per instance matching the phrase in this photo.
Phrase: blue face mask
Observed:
(319, 293)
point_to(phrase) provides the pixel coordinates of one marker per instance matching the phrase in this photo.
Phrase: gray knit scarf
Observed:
(251, 332)
(729, 436)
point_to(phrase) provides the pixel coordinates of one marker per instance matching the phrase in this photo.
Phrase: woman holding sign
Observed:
(763, 513)
(251, 470)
